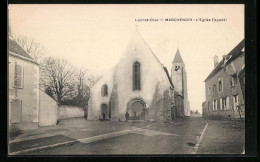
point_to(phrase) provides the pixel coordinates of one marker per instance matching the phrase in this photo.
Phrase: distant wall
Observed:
(48, 110)
(65, 111)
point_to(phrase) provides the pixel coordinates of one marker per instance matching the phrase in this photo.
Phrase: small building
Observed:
(28, 106)
(23, 86)
(138, 84)
(223, 88)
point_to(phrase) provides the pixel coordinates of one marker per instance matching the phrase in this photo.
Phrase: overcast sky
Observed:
(95, 36)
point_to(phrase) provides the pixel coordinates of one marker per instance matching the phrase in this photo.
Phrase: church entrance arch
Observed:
(136, 109)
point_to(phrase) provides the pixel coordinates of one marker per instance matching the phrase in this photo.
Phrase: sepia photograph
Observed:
(126, 79)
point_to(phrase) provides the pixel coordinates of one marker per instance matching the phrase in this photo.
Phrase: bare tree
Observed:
(92, 80)
(58, 76)
(34, 48)
(83, 89)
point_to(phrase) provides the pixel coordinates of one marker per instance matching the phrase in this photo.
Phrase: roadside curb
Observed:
(199, 140)
(37, 137)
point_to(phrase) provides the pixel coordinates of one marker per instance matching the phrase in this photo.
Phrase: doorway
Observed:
(104, 111)
(136, 109)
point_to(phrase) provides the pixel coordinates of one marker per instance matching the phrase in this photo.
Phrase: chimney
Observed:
(215, 60)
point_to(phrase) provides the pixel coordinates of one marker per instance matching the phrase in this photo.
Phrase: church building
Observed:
(140, 85)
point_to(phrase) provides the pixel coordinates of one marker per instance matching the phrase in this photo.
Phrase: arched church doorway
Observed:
(137, 109)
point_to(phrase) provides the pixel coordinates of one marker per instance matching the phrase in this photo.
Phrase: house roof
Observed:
(232, 55)
(241, 71)
(17, 49)
(177, 58)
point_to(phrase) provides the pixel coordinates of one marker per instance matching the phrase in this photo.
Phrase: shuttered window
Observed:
(221, 104)
(227, 103)
(18, 76)
(215, 105)
(16, 110)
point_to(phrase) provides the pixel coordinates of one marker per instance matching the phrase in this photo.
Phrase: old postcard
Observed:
(126, 79)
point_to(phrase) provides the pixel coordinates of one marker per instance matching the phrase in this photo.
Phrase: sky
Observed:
(95, 36)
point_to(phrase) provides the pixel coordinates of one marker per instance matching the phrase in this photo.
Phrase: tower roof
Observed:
(177, 58)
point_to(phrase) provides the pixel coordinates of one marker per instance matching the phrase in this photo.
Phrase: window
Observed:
(226, 68)
(177, 67)
(220, 85)
(214, 89)
(18, 76)
(209, 90)
(227, 103)
(215, 105)
(235, 101)
(104, 90)
(136, 76)
(223, 103)
(233, 81)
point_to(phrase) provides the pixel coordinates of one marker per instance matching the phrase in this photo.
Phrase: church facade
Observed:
(138, 84)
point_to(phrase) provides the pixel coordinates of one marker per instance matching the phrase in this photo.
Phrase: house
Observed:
(23, 80)
(28, 106)
(223, 88)
(138, 84)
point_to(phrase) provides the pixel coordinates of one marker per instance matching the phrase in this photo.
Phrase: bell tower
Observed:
(179, 79)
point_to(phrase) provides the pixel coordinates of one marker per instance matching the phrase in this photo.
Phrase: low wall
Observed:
(65, 111)
(48, 110)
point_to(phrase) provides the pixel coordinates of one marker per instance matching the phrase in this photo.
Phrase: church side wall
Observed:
(96, 100)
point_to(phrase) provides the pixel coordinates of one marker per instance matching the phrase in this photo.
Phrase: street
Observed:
(99, 138)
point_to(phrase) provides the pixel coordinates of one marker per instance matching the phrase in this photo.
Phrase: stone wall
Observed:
(113, 104)
(69, 112)
(179, 105)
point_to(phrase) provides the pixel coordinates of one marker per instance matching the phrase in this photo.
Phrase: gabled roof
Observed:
(17, 49)
(232, 55)
(138, 36)
(177, 58)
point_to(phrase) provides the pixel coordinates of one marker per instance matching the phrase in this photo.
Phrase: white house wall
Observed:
(29, 93)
